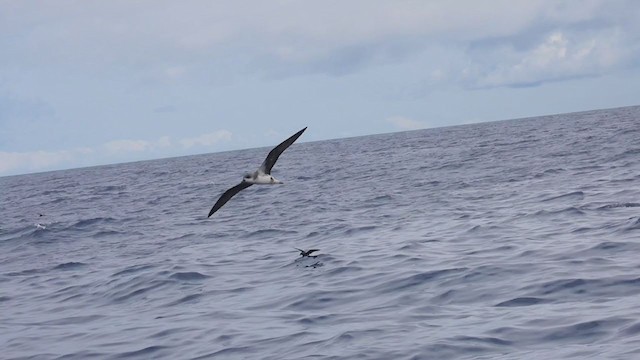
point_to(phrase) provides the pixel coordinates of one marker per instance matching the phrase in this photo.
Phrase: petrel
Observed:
(307, 253)
(262, 176)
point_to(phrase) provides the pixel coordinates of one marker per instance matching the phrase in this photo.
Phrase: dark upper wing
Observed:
(276, 151)
(228, 195)
(312, 250)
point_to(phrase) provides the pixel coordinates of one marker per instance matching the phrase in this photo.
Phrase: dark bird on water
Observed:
(307, 253)
(262, 176)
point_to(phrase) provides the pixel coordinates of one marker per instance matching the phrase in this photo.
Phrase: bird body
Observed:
(259, 178)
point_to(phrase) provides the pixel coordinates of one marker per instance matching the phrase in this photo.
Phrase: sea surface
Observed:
(507, 240)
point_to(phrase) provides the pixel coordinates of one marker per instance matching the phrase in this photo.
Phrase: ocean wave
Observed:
(619, 205)
(93, 222)
(627, 154)
(574, 195)
(269, 233)
(72, 265)
(568, 211)
(146, 352)
(523, 301)
(188, 276)
(584, 331)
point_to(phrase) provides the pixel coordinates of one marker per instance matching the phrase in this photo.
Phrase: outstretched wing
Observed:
(228, 195)
(276, 151)
(311, 251)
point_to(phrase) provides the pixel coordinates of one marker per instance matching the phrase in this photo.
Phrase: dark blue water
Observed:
(507, 240)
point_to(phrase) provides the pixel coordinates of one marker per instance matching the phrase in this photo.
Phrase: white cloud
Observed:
(209, 139)
(13, 162)
(123, 146)
(164, 141)
(127, 146)
(559, 55)
(272, 133)
(404, 123)
(109, 152)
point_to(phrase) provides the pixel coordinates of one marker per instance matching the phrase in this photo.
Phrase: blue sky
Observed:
(95, 82)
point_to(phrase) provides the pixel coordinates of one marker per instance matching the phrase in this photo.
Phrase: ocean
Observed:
(516, 239)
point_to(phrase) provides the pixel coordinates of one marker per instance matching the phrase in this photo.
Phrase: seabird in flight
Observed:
(307, 253)
(262, 176)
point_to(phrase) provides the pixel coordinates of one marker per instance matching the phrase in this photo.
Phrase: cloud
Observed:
(404, 123)
(128, 146)
(15, 162)
(120, 146)
(109, 152)
(285, 38)
(206, 140)
(163, 142)
(559, 55)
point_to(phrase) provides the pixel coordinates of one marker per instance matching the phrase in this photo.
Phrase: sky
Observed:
(86, 82)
